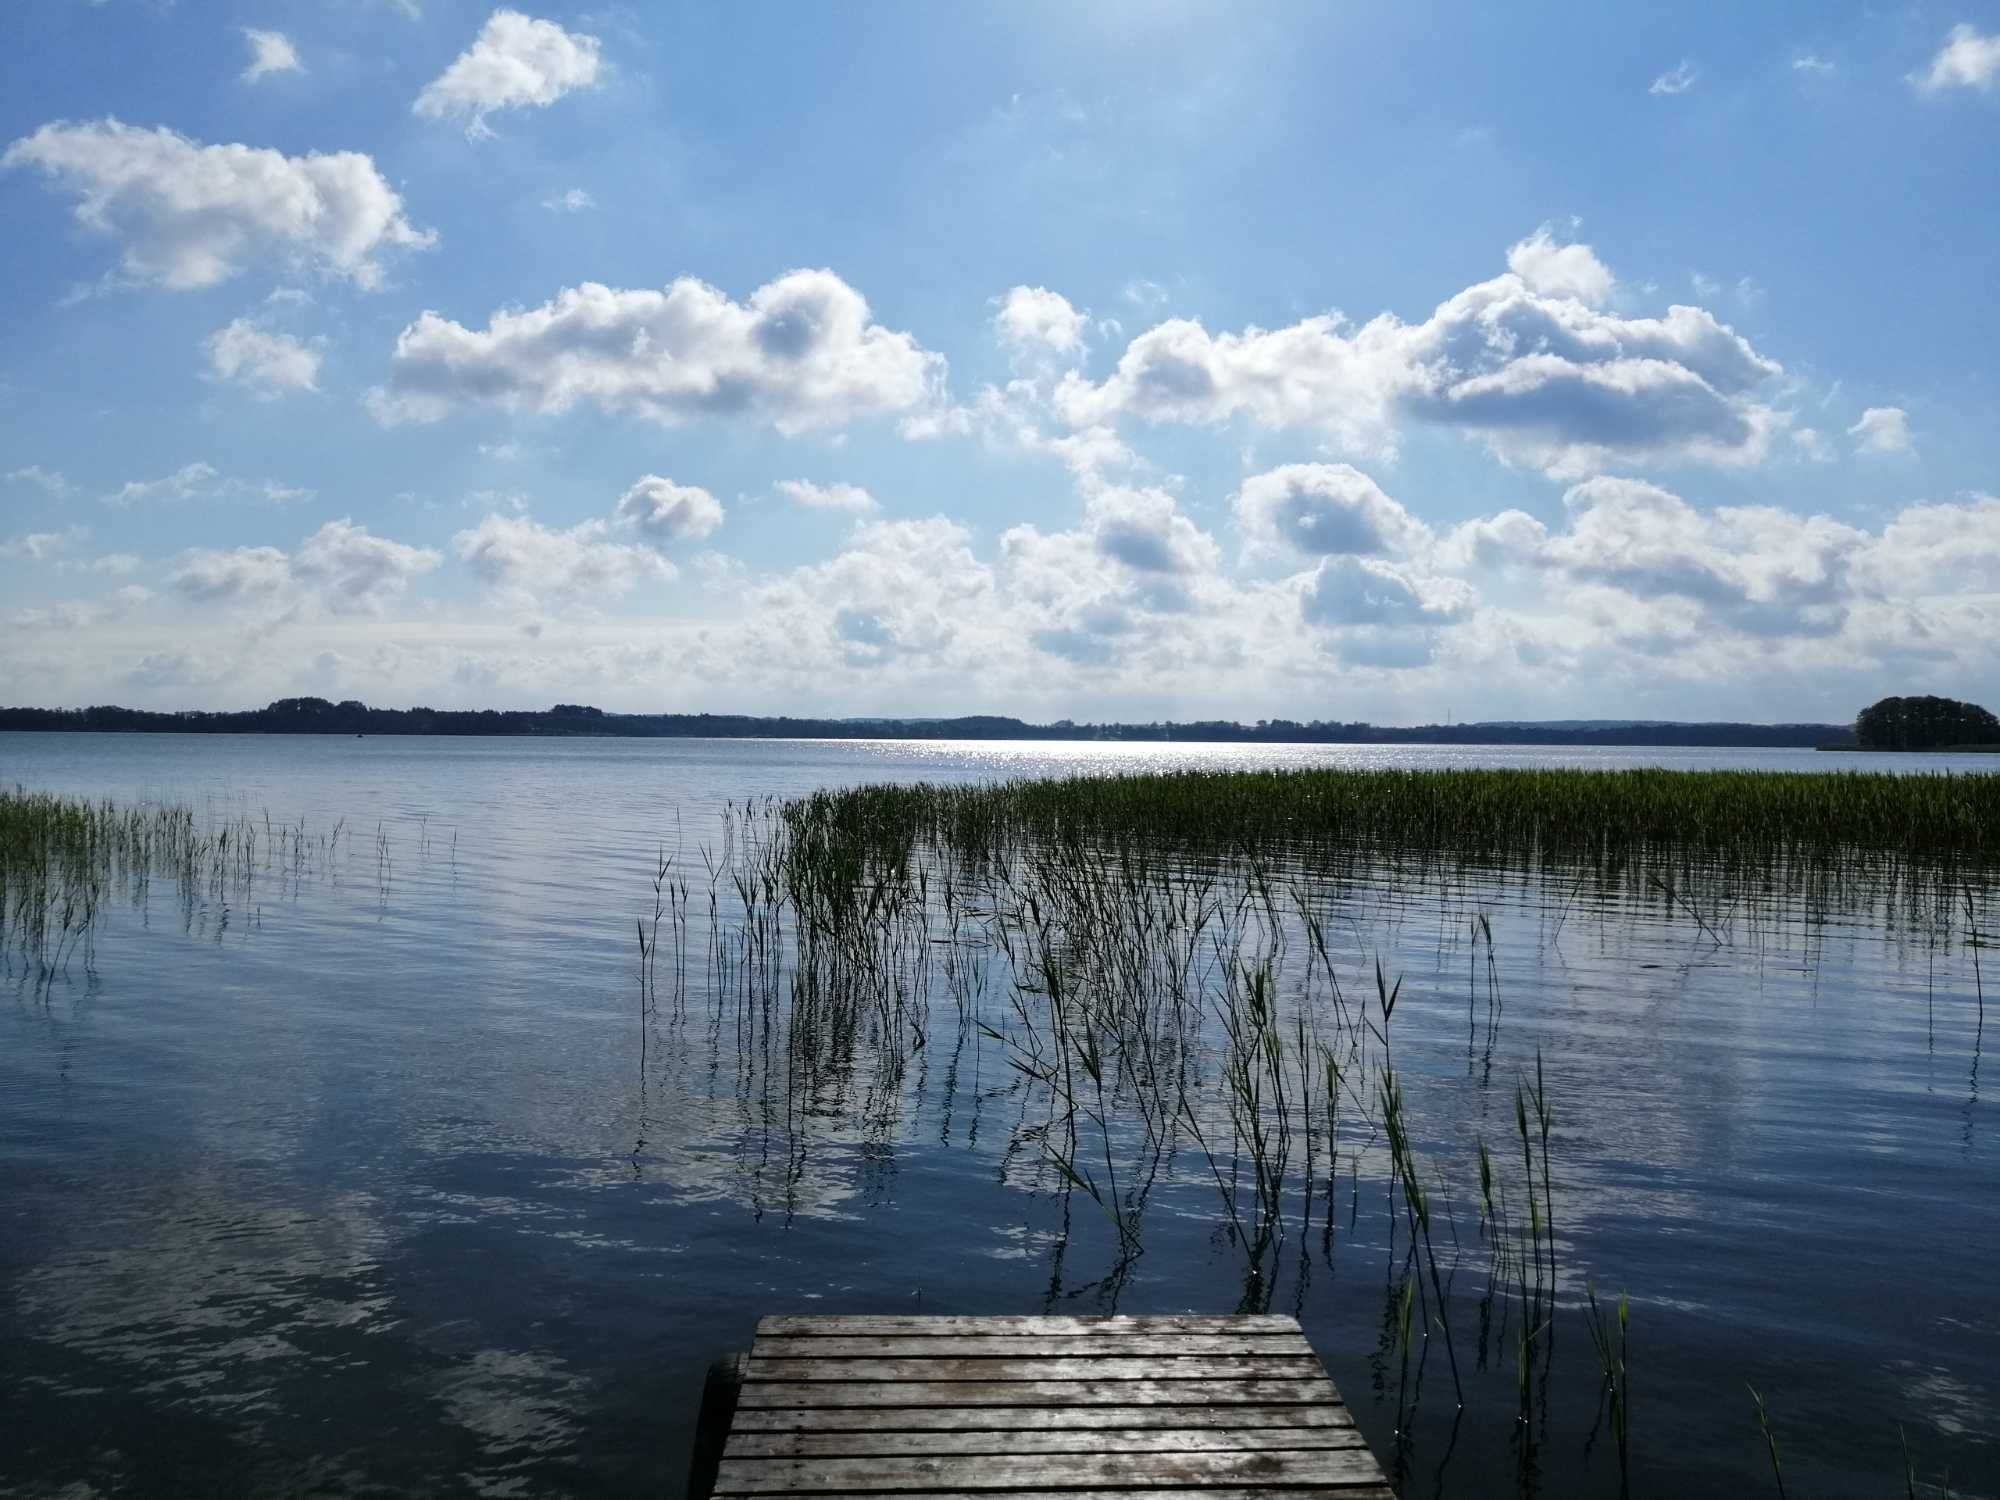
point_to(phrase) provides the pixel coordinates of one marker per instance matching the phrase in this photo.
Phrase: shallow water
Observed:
(357, 1183)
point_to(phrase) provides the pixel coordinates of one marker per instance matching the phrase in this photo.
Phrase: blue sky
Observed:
(1349, 361)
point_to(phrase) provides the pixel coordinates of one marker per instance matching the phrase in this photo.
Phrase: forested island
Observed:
(351, 717)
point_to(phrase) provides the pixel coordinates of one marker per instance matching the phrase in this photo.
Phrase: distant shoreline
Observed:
(318, 716)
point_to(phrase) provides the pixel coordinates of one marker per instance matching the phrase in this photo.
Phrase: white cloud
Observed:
(43, 546)
(668, 512)
(1346, 590)
(802, 352)
(1969, 59)
(1543, 379)
(202, 481)
(527, 560)
(238, 573)
(41, 478)
(185, 483)
(1498, 541)
(903, 592)
(1677, 79)
(1144, 530)
(1758, 568)
(357, 570)
(515, 62)
(575, 201)
(1812, 64)
(1325, 510)
(341, 566)
(1882, 429)
(189, 215)
(1035, 320)
(268, 364)
(270, 52)
(1556, 270)
(848, 497)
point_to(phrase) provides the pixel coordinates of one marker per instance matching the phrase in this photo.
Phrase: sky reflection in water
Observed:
(359, 1182)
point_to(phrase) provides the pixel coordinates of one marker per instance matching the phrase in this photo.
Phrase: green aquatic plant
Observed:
(1770, 1439)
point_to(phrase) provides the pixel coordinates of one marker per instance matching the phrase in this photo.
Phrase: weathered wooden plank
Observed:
(1076, 1367)
(1022, 1346)
(1358, 1490)
(1363, 1491)
(868, 1325)
(768, 1393)
(870, 1444)
(1036, 1418)
(787, 1476)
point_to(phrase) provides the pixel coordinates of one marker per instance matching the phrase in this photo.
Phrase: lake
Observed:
(377, 1175)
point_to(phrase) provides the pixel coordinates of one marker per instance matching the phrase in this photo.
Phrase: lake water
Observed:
(361, 1183)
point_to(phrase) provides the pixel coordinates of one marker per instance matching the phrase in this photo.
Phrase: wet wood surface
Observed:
(1028, 1408)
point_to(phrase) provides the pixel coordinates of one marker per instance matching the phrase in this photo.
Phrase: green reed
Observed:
(1468, 811)
(65, 862)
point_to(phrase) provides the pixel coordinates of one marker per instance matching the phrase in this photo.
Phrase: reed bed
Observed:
(65, 861)
(1748, 814)
(1179, 974)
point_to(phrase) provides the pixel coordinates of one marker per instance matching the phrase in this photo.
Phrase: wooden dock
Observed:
(1236, 1408)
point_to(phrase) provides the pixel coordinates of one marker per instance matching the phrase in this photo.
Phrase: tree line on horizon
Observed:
(309, 715)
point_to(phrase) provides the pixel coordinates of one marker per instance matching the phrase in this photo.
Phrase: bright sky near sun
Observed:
(1124, 360)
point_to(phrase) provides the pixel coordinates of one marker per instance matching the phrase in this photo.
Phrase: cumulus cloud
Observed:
(341, 566)
(1144, 530)
(848, 497)
(202, 481)
(1882, 429)
(1676, 80)
(521, 557)
(42, 546)
(1542, 376)
(1345, 590)
(210, 574)
(1557, 270)
(899, 591)
(1813, 64)
(1323, 510)
(1760, 568)
(574, 201)
(270, 52)
(1969, 59)
(268, 364)
(1033, 319)
(358, 570)
(42, 479)
(516, 62)
(189, 215)
(803, 352)
(1498, 541)
(668, 512)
